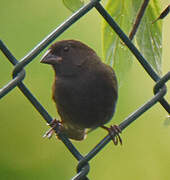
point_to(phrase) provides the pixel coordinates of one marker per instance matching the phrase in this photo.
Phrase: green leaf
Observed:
(73, 5)
(149, 36)
(115, 53)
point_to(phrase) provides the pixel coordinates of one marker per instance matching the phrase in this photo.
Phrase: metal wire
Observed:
(19, 74)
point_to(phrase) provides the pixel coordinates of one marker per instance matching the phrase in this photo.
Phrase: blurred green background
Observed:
(24, 154)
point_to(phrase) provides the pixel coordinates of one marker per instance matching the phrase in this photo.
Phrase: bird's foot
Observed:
(114, 132)
(54, 124)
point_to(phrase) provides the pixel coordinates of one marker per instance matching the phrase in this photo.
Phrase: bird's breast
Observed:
(86, 101)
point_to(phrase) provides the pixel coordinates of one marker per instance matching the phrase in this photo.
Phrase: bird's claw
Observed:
(54, 124)
(114, 132)
(49, 133)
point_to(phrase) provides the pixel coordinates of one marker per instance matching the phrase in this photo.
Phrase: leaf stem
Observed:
(138, 19)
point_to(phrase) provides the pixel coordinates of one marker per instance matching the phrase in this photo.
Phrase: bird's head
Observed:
(67, 56)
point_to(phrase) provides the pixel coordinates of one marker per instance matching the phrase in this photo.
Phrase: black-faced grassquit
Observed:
(85, 89)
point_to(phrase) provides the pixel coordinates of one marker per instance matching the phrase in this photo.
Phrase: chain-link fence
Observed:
(19, 74)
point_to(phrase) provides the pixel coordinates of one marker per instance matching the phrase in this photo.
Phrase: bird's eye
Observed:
(66, 48)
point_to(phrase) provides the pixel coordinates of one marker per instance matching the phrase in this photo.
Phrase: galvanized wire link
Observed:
(82, 172)
(13, 83)
(19, 74)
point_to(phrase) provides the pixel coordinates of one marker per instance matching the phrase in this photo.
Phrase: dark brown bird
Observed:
(84, 90)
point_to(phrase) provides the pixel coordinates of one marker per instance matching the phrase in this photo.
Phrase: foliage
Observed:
(148, 37)
(73, 5)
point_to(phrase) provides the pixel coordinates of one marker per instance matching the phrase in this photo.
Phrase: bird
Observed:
(85, 90)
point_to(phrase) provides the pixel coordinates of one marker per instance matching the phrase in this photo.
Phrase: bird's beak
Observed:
(49, 58)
